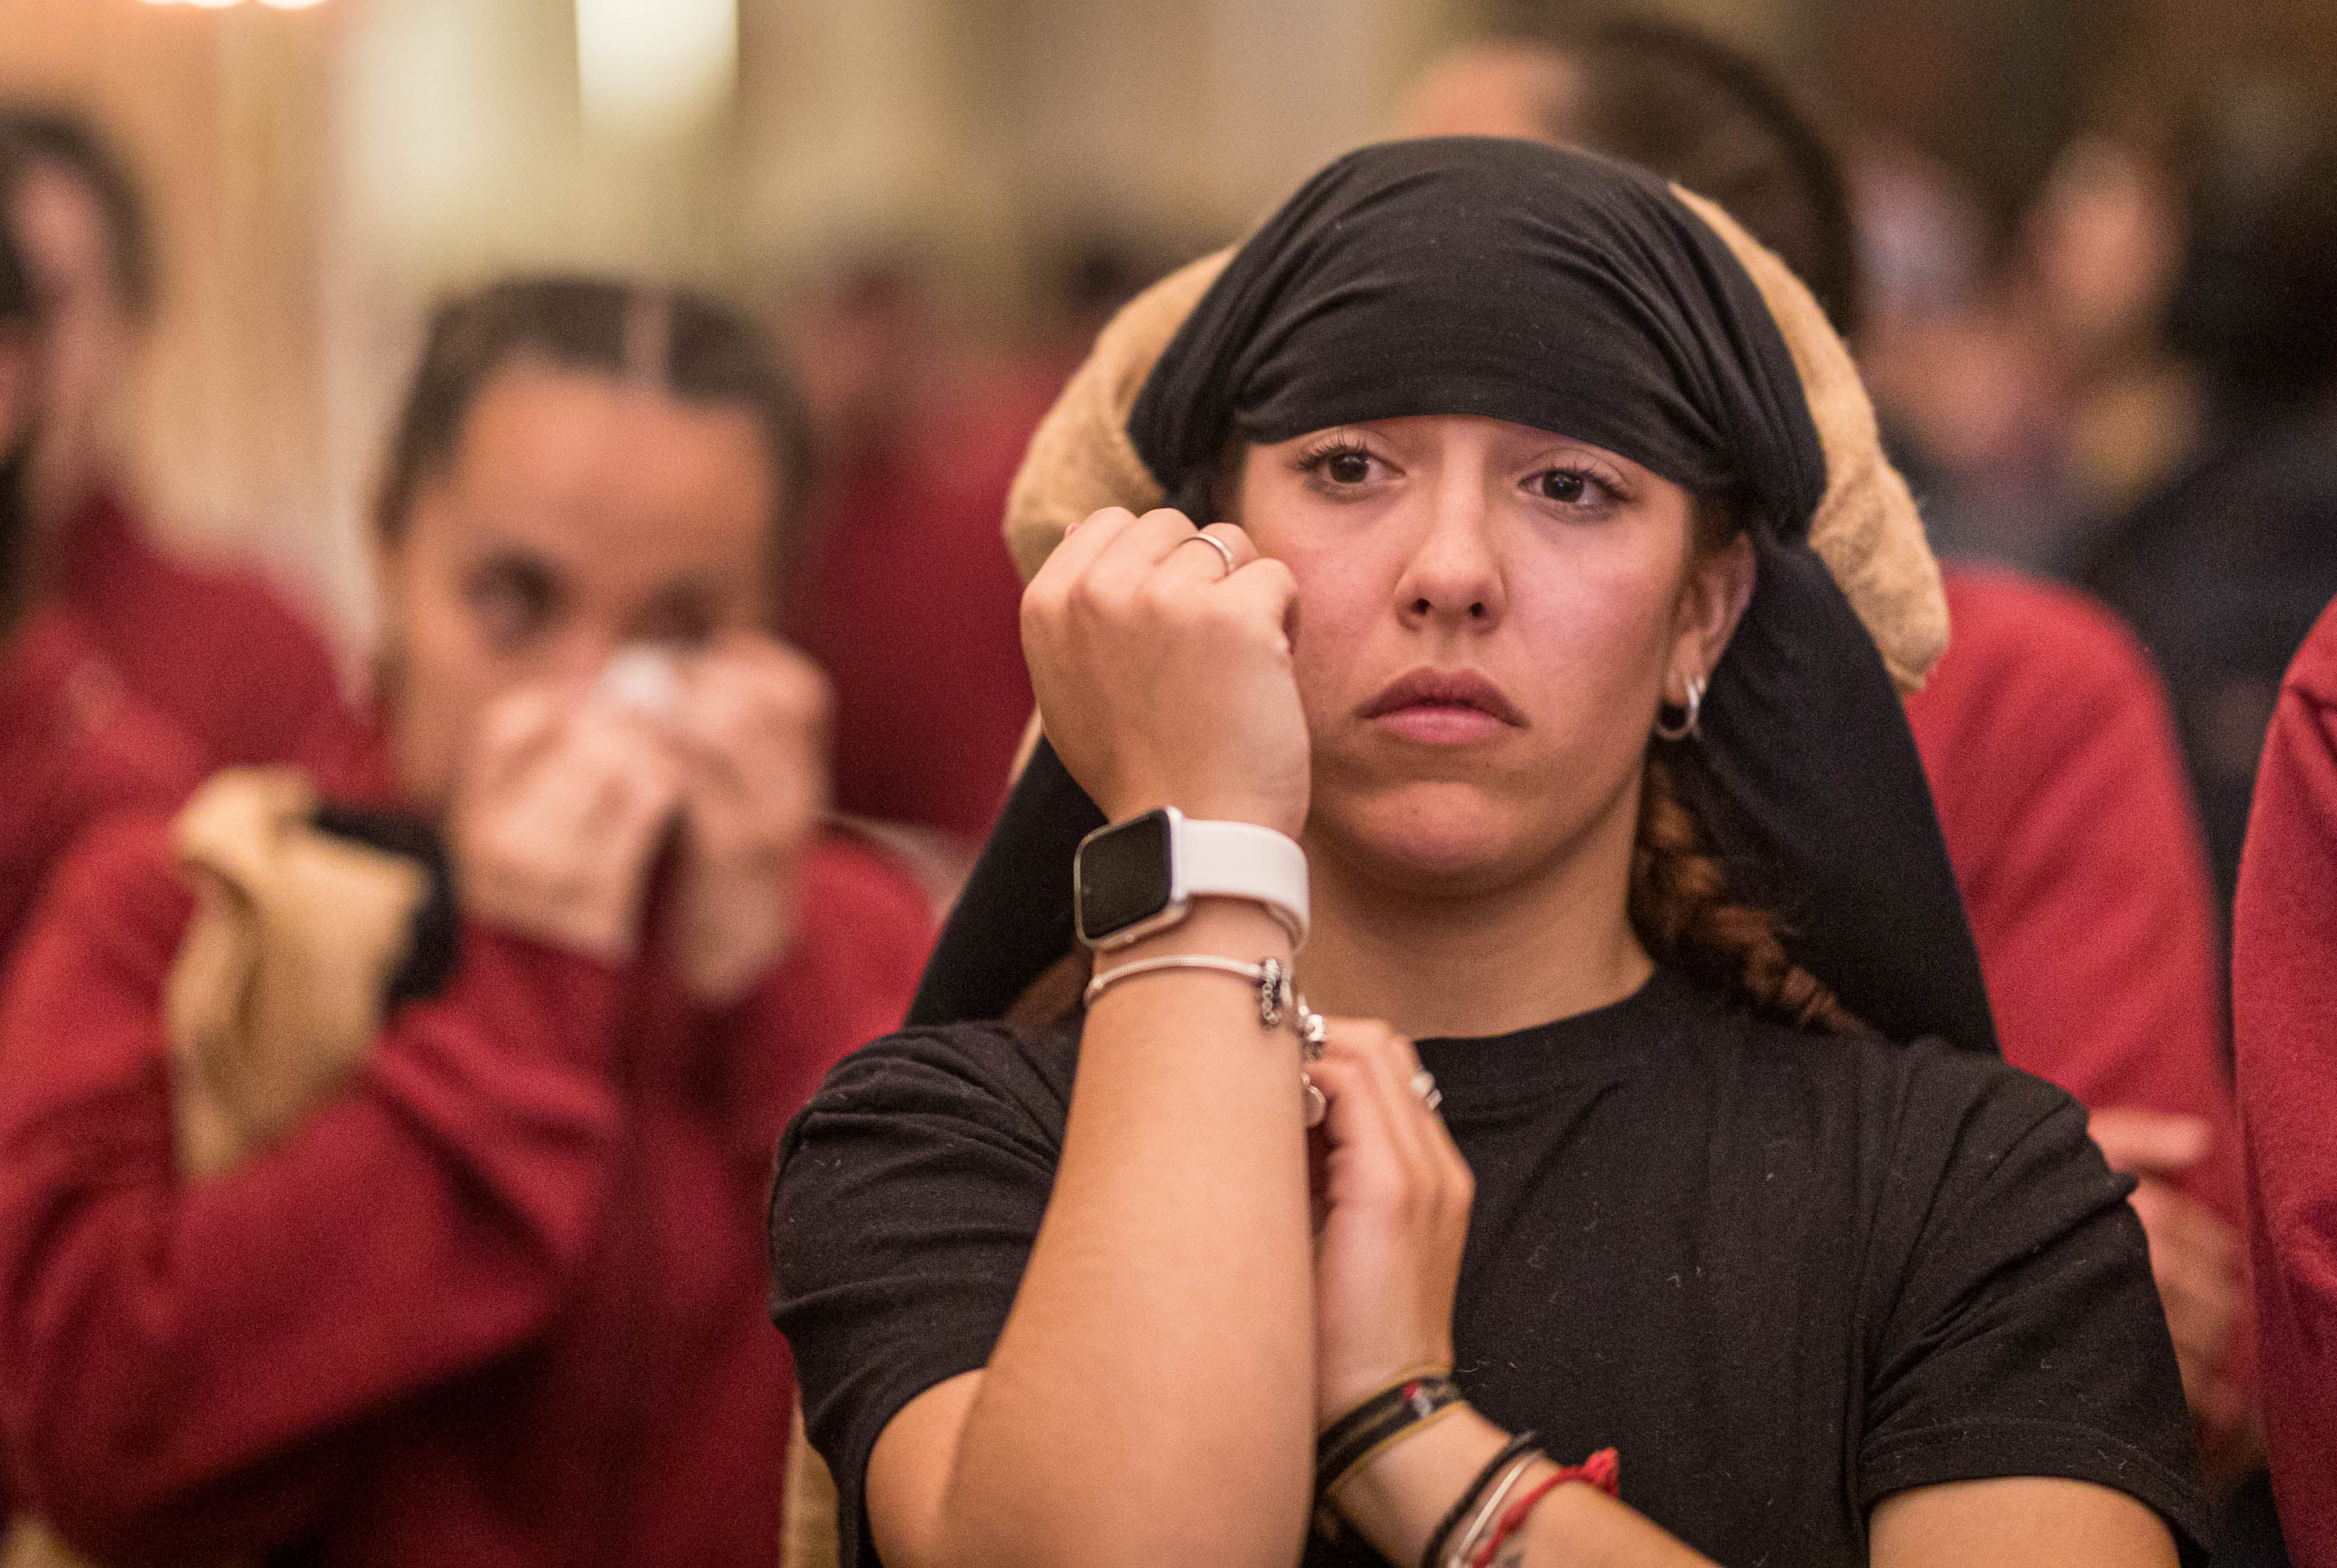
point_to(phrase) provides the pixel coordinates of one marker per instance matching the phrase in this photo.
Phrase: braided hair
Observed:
(1686, 904)
(1688, 913)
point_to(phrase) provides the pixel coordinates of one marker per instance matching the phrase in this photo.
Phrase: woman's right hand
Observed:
(1394, 1218)
(558, 815)
(1164, 680)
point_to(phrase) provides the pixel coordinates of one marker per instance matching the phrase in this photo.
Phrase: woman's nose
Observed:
(585, 653)
(1455, 573)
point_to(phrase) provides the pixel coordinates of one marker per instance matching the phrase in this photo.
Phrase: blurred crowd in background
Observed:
(2096, 242)
(2096, 299)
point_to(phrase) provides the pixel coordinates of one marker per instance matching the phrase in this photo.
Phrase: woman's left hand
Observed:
(1394, 1202)
(752, 724)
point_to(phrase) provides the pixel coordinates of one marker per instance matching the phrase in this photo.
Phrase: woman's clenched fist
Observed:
(1163, 678)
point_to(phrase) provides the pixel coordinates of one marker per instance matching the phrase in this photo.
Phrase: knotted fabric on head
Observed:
(1580, 296)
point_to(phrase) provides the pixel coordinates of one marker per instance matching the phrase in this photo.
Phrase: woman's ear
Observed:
(1720, 585)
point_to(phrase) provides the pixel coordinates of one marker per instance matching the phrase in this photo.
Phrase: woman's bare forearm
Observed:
(1150, 1400)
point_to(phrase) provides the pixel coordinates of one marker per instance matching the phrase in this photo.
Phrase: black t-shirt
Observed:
(1785, 1276)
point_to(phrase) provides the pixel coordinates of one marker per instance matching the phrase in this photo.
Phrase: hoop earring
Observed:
(1687, 728)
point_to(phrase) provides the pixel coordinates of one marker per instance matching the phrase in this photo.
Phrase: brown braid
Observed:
(1685, 914)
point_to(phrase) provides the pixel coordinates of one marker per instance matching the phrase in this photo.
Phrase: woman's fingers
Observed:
(559, 849)
(1375, 1067)
(1207, 557)
(1394, 1223)
(514, 732)
(755, 720)
(1165, 679)
(1369, 1049)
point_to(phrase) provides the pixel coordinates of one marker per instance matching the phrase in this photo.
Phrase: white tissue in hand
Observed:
(646, 679)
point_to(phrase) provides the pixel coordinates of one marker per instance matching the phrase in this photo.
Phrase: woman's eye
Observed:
(1347, 467)
(1564, 484)
(513, 600)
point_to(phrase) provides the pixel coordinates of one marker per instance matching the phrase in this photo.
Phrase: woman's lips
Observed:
(1444, 708)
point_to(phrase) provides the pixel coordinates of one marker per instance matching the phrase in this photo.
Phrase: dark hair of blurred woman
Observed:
(675, 340)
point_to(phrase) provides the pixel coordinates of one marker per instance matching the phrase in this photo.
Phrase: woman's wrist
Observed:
(1240, 928)
(1397, 1500)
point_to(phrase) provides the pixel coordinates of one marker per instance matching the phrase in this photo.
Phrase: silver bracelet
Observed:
(1271, 977)
(1465, 1546)
(1276, 1000)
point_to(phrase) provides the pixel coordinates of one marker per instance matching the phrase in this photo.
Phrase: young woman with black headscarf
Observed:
(1529, 605)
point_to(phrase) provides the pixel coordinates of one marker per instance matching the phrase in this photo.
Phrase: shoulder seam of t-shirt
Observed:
(1936, 1219)
(1939, 1224)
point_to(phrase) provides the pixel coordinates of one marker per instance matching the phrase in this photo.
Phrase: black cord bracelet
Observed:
(1516, 1445)
(1378, 1421)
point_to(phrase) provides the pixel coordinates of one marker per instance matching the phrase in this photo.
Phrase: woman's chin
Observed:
(1440, 836)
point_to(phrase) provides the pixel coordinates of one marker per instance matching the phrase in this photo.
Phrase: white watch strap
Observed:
(1241, 860)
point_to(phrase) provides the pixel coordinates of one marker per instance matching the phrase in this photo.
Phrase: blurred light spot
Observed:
(651, 66)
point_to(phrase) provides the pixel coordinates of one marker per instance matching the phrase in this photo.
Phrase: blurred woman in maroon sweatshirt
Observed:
(2285, 1019)
(499, 1298)
(124, 675)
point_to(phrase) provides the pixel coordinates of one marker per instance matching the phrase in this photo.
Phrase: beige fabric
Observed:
(1080, 459)
(276, 995)
(1866, 530)
(807, 1504)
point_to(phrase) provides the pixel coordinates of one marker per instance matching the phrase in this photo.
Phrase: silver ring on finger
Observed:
(1215, 543)
(1423, 1084)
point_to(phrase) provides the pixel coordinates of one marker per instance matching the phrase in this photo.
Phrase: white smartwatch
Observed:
(1139, 876)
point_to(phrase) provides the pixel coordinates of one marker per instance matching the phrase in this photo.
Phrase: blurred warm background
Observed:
(2100, 245)
(318, 172)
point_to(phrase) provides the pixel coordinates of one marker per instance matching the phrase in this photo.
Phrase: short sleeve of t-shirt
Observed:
(2018, 1331)
(908, 1194)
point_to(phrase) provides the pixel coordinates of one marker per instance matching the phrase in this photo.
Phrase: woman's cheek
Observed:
(1334, 626)
(446, 683)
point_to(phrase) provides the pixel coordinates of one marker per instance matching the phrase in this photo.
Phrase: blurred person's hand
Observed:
(557, 816)
(751, 727)
(2195, 1257)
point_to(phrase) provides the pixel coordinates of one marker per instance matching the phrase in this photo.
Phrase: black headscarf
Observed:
(1576, 295)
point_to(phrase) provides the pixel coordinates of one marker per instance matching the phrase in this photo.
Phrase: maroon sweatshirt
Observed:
(2285, 1019)
(501, 1302)
(131, 682)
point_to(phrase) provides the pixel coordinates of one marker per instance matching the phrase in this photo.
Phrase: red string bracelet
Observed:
(1603, 1470)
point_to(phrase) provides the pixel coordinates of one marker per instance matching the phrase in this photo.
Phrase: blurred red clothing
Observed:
(2284, 1022)
(215, 653)
(130, 682)
(501, 1301)
(74, 747)
(2052, 757)
(910, 601)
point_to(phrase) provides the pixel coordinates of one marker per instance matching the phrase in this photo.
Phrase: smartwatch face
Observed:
(1124, 874)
